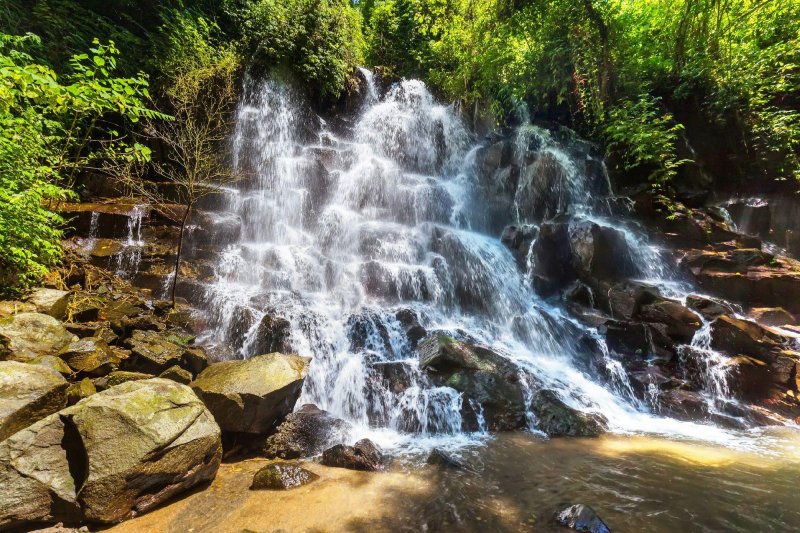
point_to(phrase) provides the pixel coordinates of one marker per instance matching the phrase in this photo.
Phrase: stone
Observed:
(195, 360)
(252, 395)
(12, 307)
(557, 419)
(117, 453)
(28, 393)
(363, 455)
(681, 323)
(582, 518)
(176, 373)
(26, 336)
(409, 321)
(51, 302)
(305, 433)
(80, 390)
(600, 252)
(282, 476)
(273, 335)
(118, 377)
(709, 308)
(735, 336)
(90, 356)
(56, 363)
(444, 460)
(490, 383)
(772, 316)
(152, 353)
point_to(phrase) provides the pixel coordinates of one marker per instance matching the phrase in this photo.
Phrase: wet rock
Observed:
(736, 336)
(557, 419)
(489, 382)
(409, 320)
(305, 433)
(600, 252)
(152, 353)
(627, 338)
(396, 376)
(772, 316)
(118, 377)
(85, 307)
(70, 466)
(681, 323)
(582, 518)
(80, 390)
(682, 404)
(364, 455)
(709, 308)
(624, 300)
(273, 335)
(367, 332)
(56, 363)
(282, 476)
(25, 336)
(176, 373)
(443, 460)
(28, 393)
(90, 356)
(51, 302)
(253, 395)
(518, 240)
(551, 259)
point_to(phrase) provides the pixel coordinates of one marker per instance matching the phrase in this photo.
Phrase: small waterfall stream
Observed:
(354, 234)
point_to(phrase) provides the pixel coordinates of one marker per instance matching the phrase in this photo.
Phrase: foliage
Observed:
(51, 128)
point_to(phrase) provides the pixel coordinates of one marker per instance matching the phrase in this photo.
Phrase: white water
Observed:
(341, 230)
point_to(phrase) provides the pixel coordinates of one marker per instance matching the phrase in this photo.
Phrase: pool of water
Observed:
(517, 482)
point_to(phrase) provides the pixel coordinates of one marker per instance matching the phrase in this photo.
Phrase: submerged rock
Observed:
(28, 393)
(26, 336)
(439, 458)
(252, 395)
(582, 518)
(363, 455)
(117, 453)
(305, 433)
(282, 476)
(557, 419)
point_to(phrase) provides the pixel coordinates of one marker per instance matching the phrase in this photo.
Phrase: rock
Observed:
(195, 360)
(273, 335)
(305, 433)
(85, 307)
(557, 419)
(600, 252)
(152, 353)
(551, 259)
(282, 476)
(735, 336)
(411, 327)
(772, 316)
(681, 323)
(90, 356)
(518, 240)
(624, 300)
(12, 307)
(364, 455)
(118, 377)
(51, 302)
(80, 390)
(28, 393)
(682, 404)
(489, 382)
(117, 453)
(26, 336)
(252, 395)
(176, 373)
(441, 459)
(582, 518)
(56, 363)
(709, 308)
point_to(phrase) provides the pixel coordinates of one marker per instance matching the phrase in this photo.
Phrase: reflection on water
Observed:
(516, 482)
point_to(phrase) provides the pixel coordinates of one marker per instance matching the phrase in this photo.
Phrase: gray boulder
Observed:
(51, 302)
(305, 433)
(26, 336)
(252, 395)
(115, 454)
(28, 393)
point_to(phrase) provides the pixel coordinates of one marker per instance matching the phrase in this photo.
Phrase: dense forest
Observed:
(90, 87)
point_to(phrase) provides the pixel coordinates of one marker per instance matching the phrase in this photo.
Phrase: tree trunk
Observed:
(178, 254)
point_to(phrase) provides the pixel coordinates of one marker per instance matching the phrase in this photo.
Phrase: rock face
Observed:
(252, 395)
(582, 518)
(115, 454)
(557, 419)
(305, 433)
(488, 381)
(28, 393)
(25, 336)
(282, 476)
(363, 455)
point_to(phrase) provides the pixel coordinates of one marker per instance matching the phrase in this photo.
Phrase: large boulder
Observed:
(557, 419)
(735, 336)
(600, 252)
(363, 455)
(51, 302)
(28, 393)
(305, 433)
(153, 352)
(680, 323)
(490, 383)
(252, 395)
(26, 336)
(90, 356)
(115, 454)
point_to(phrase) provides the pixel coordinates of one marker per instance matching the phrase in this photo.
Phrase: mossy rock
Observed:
(28, 393)
(90, 356)
(176, 373)
(282, 476)
(26, 336)
(80, 390)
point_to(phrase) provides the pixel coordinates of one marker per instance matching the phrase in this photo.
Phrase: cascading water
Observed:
(347, 234)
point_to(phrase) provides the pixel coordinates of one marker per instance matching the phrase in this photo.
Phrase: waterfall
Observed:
(349, 232)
